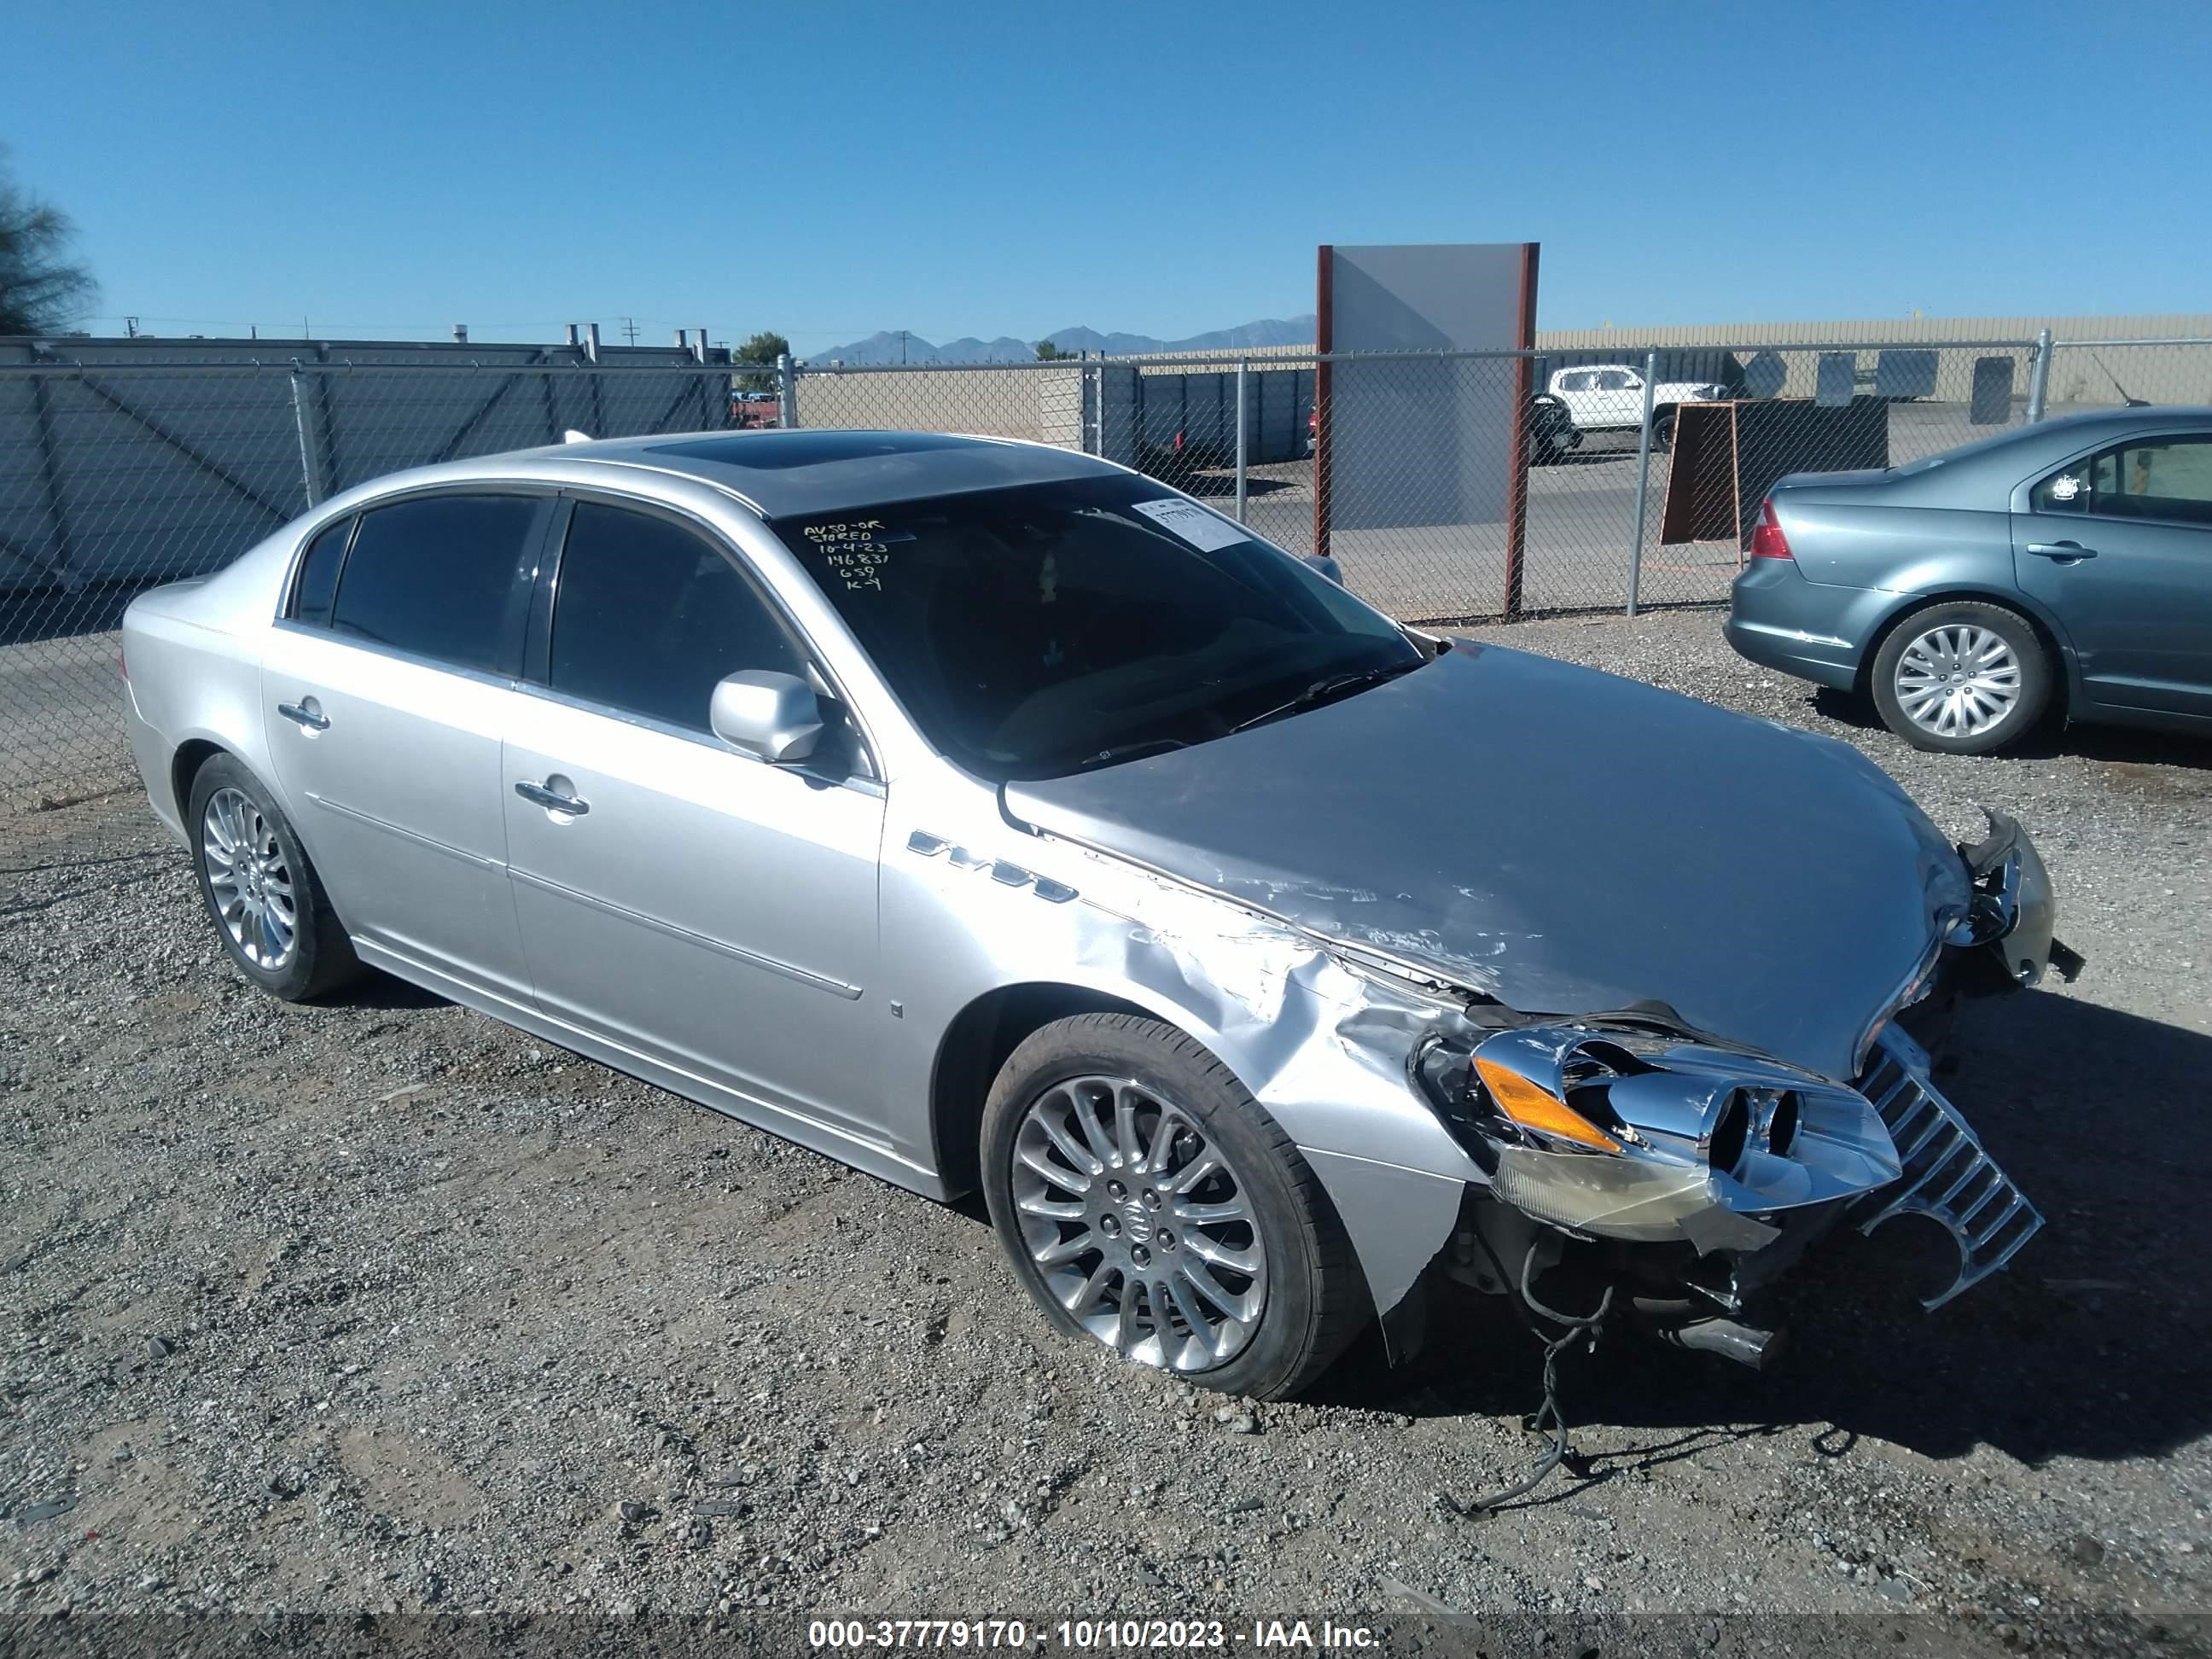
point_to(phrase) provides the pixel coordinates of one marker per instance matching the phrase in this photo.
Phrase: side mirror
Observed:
(1325, 565)
(774, 717)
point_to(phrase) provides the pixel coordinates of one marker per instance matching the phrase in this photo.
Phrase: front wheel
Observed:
(1962, 678)
(1149, 1204)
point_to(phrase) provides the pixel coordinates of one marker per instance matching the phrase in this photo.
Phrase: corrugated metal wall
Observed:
(123, 461)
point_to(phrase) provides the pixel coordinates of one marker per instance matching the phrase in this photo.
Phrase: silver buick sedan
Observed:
(983, 814)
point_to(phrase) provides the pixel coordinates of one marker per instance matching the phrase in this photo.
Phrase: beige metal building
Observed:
(2080, 372)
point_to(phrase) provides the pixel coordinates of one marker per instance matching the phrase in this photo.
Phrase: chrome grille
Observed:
(1948, 1177)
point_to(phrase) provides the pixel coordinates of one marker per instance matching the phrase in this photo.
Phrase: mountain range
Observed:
(890, 346)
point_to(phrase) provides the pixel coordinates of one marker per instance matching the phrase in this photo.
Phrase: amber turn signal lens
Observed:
(1537, 1109)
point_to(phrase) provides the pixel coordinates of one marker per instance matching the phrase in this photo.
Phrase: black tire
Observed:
(1316, 1300)
(1663, 429)
(319, 957)
(2031, 675)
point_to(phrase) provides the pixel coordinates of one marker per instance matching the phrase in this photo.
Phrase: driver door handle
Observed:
(539, 795)
(2063, 551)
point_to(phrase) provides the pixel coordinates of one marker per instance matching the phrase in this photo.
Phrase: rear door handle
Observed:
(552, 799)
(304, 713)
(2064, 552)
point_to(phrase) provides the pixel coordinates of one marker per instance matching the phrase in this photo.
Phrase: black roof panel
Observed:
(780, 451)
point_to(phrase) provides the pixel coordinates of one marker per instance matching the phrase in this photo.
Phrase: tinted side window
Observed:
(319, 573)
(439, 577)
(2162, 478)
(648, 615)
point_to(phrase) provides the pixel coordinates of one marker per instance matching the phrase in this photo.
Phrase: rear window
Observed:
(1964, 452)
(319, 575)
(441, 578)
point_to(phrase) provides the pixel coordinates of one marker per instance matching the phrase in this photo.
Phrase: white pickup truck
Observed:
(1609, 398)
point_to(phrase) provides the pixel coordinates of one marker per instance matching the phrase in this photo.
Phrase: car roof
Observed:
(783, 473)
(2053, 439)
(2146, 414)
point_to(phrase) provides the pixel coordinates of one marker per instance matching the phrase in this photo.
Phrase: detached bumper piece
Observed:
(1948, 1177)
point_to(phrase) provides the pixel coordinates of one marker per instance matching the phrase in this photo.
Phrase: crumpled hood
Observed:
(1559, 839)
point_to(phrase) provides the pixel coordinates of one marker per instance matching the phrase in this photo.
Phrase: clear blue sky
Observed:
(826, 169)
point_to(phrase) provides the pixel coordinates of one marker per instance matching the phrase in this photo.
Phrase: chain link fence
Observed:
(1638, 474)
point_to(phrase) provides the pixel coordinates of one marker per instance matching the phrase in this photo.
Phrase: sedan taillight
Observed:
(1767, 541)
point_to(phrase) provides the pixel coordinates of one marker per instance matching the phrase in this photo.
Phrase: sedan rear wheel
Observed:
(1151, 1206)
(264, 897)
(249, 883)
(1962, 678)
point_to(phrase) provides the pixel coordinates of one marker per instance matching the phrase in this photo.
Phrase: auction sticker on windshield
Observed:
(858, 551)
(1203, 530)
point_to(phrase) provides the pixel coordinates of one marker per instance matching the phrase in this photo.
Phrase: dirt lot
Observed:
(382, 1306)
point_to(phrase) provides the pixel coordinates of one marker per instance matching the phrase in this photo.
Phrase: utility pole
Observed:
(630, 329)
(902, 348)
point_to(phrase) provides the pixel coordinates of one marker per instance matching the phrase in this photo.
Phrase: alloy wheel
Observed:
(1138, 1223)
(1958, 681)
(249, 879)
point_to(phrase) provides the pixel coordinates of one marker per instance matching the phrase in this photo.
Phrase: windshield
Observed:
(1035, 630)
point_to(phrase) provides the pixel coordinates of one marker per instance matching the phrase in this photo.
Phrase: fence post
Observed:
(1240, 384)
(50, 476)
(1643, 480)
(787, 392)
(2039, 379)
(310, 473)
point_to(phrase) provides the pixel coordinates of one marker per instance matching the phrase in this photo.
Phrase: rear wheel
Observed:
(1663, 429)
(1964, 678)
(1149, 1204)
(267, 903)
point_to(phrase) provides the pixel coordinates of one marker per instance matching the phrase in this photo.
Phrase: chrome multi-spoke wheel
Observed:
(1149, 1203)
(1958, 681)
(249, 880)
(1138, 1223)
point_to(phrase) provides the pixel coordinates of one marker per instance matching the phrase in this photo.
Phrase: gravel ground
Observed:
(380, 1306)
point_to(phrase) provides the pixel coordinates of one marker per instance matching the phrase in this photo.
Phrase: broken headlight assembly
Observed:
(1625, 1133)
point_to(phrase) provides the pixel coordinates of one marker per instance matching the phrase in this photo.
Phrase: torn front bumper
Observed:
(2009, 923)
(1628, 1136)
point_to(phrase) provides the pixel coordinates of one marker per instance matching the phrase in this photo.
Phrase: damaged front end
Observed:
(1730, 1164)
(1698, 1171)
(1476, 1069)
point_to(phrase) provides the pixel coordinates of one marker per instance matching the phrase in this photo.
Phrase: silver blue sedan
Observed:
(2065, 565)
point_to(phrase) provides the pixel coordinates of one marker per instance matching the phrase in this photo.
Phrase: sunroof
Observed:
(780, 451)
